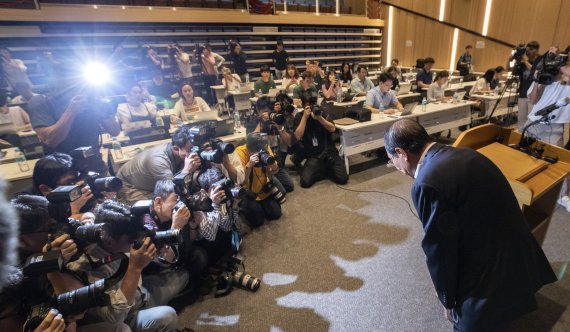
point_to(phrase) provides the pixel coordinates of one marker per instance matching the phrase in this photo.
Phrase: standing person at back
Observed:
(464, 62)
(280, 59)
(424, 76)
(524, 72)
(238, 58)
(210, 62)
(483, 260)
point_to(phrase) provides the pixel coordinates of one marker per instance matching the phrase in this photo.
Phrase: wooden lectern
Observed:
(535, 182)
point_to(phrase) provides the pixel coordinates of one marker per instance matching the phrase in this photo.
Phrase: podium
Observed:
(535, 182)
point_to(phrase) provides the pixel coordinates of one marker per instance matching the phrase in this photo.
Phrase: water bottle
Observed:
(497, 90)
(381, 107)
(461, 83)
(271, 77)
(327, 69)
(339, 97)
(237, 121)
(424, 104)
(246, 78)
(117, 148)
(159, 121)
(21, 160)
(455, 97)
(260, 93)
(397, 89)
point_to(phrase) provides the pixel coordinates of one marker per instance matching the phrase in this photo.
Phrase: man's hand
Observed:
(307, 112)
(253, 159)
(390, 111)
(65, 244)
(142, 256)
(192, 162)
(52, 323)
(217, 196)
(77, 204)
(180, 217)
(264, 116)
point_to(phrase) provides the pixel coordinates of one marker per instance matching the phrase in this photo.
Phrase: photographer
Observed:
(543, 95)
(57, 170)
(279, 137)
(131, 303)
(210, 62)
(524, 58)
(35, 226)
(165, 215)
(314, 132)
(70, 120)
(258, 162)
(182, 61)
(161, 162)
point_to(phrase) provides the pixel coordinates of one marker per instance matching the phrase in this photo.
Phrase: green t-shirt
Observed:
(298, 91)
(264, 87)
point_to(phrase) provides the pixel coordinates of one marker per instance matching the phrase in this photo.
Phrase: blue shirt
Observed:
(356, 85)
(423, 76)
(374, 97)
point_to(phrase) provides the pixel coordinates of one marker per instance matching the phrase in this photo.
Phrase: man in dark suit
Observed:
(483, 260)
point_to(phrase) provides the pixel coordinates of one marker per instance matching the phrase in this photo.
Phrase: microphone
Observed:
(546, 110)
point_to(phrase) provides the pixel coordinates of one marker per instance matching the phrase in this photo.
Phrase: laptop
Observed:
(225, 127)
(408, 109)
(273, 93)
(404, 88)
(461, 94)
(245, 87)
(203, 116)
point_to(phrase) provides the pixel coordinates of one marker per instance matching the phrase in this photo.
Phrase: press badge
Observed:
(315, 142)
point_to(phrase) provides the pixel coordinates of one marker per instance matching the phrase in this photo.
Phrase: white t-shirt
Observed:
(435, 91)
(286, 81)
(182, 112)
(480, 85)
(144, 109)
(551, 94)
(184, 68)
(234, 84)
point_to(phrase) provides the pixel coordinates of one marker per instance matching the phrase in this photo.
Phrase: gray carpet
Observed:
(345, 261)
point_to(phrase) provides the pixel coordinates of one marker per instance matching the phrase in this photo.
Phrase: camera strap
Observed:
(95, 264)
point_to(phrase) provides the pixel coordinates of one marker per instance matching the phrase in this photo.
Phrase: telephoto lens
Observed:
(215, 156)
(317, 110)
(278, 118)
(171, 236)
(276, 193)
(265, 158)
(96, 233)
(110, 184)
(246, 281)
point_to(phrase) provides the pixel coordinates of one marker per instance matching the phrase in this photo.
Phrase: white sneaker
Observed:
(565, 202)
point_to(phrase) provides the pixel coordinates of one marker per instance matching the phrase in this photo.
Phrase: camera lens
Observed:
(227, 148)
(171, 236)
(81, 299)
(246, 281)
(92, 233)
(111, 183)
(215, 156)
(265, 158)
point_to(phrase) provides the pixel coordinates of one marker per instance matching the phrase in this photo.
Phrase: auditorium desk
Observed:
(489, 101)
(366, 136)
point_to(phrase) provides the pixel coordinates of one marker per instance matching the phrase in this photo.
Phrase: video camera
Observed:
(550, 67)
(204, 135)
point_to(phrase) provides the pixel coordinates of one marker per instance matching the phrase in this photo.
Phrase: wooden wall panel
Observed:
(468, 14)
(491, 56)
(429, 8)
(428, 38)
(562, 33)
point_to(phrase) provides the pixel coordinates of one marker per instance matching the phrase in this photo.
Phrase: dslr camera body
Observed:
(207, 146)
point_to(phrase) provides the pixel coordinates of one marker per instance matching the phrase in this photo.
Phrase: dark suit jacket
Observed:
(483, 260)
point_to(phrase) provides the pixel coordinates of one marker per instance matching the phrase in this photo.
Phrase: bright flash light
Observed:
(96, 74)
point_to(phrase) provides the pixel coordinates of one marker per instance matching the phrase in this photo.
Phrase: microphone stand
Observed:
(508, 85)
(525, 142)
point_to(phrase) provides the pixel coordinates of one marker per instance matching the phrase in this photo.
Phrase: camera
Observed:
(520, 50)
(317, 110)
(275, 192)
(159, 239)
(82, 234)
(231, 190)
(206, 134)
(82, 159)
(190, 196)
(77, 301)
(286, 102)
(265, 159)
(551, 64)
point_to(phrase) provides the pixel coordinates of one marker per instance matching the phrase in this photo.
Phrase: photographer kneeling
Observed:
(275, 121)
(314, 132)
(130, 302)
(258, 161)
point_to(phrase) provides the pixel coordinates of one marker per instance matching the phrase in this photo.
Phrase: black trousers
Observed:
(256, 212)
(209, 81)
(319, 168)
(218, 248)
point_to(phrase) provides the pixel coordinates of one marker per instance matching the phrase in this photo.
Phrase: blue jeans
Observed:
(164, 286)
(159, 319)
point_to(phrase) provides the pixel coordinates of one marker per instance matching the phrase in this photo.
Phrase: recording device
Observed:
(82, 234)
(285, 101)
(59, 198)
(77, 301)
(273, 191)
(234, 277)
(552, 107)
(230, 189)
(189, 195)
(82, 159)
(206, 144)
(158, 238)
(265, 159)
(551, 64)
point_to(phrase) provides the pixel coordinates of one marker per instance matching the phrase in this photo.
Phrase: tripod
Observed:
(511, 102)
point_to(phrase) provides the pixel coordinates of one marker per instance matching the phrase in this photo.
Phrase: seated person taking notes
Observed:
(483, 85)
(360, 85)
(135, 110)
(383, 95)
(264, 83)
(436, 90)
(424, 76)
(188, 104)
